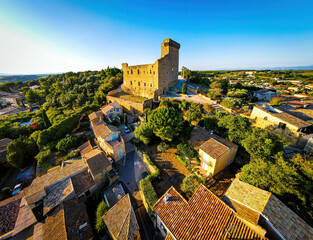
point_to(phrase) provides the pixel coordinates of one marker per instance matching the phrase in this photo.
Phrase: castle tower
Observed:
(152, 80)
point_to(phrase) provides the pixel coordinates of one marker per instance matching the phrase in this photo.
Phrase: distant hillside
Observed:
(22, 78)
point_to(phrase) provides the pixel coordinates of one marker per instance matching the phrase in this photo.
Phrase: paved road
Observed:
(192, 97)
(130, 172)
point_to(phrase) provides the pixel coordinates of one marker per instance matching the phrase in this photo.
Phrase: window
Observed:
(127, 72)
(282, 125)
(138, 71)
(150, 71)
(153, 72)
(150, 84)
(144, 84)
(131, 71)
(120, 151)
(265, 118)
(131, 83)
(139, 84)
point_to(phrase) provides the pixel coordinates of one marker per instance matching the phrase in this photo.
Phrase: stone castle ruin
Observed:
(151, 80)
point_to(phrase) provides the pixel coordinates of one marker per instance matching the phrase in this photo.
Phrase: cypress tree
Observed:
(45, 119)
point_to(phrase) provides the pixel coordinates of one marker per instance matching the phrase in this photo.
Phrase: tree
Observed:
(32, 96)
(237, 127)
(262, 144)
(45, 119)
(276, 101)
(144, 133)
(21, 152)
(209, 108)
(210, 123)
(194, 113)
(67, 143)
(184, 88)
(162, 147)
(187, 150)
(232, 103)
(166, 123)
(190, 183)
(101, 210)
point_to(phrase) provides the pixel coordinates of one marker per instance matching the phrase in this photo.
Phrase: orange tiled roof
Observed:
(121, 220)
(103, 130)
(97, 161)
(216, 146)
(282, 218)
(205, 216)
(85, 148)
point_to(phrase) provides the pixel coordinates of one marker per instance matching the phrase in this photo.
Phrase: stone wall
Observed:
(265, 120)
(129, 106)
(150, 80)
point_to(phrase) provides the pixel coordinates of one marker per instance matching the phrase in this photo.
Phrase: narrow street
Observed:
(130, 171)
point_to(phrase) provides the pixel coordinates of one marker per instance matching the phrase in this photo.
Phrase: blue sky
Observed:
(59, 35)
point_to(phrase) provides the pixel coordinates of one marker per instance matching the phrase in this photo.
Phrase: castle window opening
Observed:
(153, 72)
(138, 71)
(144, 84)
(150, 71)
(131, 71)
(150, 84)
(139, 84)
(131, 83)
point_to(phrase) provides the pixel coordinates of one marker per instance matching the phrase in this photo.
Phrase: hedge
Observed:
(149, 193)
(183, 161)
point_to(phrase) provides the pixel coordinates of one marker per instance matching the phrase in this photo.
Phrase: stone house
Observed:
(112, 111)
(262, 208)
(216, 154)
(121, 220)
(204, 216)
(280, 123)
(151, 80)
(110, 140)
(95, 118)
(98, 165)
(264, 94)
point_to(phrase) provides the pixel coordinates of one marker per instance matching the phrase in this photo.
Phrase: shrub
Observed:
(162, 147)
(190, 184)
(183, 161)
(148, 192)
(187, 150)
(101, 210)
(67, 143)
(42, 157)
(276, 101)
(184, 88)
(71, 155)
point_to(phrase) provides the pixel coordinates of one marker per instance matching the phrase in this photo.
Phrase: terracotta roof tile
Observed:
(85, 148)
(97, 161)
(103, 130)
(284, 220)
(8, 215)
(121, 220)
(216, 146)
(205, 216)
(82, 182)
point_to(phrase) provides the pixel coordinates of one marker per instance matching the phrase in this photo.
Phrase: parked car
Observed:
(126, 129)
(17, 188)
(144, 175)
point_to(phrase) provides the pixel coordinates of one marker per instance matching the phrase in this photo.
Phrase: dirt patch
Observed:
(172, 171)
(223, 180)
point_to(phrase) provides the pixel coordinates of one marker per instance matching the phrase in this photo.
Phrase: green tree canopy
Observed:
(166, 123)
(262, 144)
(237, 127)
(144, 133)
(21, 152)
(101, 210)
